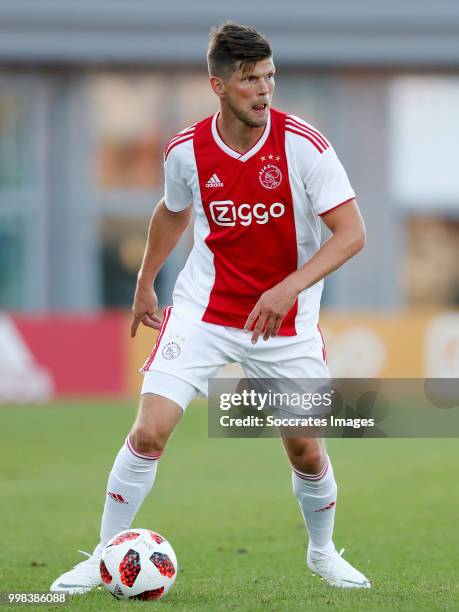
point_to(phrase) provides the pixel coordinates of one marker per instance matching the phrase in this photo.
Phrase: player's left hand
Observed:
(270, 310)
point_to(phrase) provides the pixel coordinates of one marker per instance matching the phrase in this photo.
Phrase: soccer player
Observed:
(259, 181)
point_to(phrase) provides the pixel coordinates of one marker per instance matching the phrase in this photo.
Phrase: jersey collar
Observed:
(248, 154)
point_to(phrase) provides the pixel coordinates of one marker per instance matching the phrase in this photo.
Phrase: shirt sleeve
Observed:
(327, 184)
(177, 192)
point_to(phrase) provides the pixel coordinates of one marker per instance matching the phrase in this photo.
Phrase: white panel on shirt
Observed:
(323, 175)
(195, 281)
(318, 183)
(178, 176)
(327, 184)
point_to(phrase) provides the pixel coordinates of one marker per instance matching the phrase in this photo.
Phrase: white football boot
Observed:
(336, 571)
(81, 579)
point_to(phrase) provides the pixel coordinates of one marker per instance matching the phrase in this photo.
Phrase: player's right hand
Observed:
(144, 309)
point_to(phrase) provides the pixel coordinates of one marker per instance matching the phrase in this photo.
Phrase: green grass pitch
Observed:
(228, 510)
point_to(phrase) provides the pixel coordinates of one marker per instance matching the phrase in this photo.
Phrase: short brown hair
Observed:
(233, 46)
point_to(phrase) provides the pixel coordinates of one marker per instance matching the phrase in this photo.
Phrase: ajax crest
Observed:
(171, 350)
(270, 176)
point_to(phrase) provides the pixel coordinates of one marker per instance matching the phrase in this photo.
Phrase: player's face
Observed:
(248, 93)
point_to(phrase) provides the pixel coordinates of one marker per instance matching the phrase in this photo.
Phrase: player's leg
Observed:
(315, 489)
(133, 472)
(303, 357)
(292, 359)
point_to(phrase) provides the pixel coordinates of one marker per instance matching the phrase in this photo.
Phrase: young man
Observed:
(258, 180)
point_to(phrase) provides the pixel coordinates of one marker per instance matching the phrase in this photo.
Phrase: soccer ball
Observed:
(138, 564)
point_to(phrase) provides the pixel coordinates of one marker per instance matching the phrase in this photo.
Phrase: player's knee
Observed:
(148, 440)
(313, 461)
(310, 460)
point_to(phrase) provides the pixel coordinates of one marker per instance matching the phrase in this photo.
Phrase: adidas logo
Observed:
(117, 497)
(214, 181)
(327, 507)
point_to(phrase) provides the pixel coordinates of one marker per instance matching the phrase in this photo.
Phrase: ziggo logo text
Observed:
(227, 213)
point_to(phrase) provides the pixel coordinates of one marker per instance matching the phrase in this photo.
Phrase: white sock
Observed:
(130, 481)
(316, 495)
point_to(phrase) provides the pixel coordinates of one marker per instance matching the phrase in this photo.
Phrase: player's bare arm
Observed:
(166, 228)
(348, 238)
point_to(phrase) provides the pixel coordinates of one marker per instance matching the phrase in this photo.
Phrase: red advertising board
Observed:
(62, 355)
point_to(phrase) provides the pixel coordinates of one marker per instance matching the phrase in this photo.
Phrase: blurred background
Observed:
(91, 91)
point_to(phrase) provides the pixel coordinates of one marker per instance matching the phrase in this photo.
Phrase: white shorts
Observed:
(189, 352)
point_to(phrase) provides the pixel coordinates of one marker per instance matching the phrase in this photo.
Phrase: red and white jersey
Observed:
(256, 216)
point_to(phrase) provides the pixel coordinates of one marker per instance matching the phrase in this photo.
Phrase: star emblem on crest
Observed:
(270, 157)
